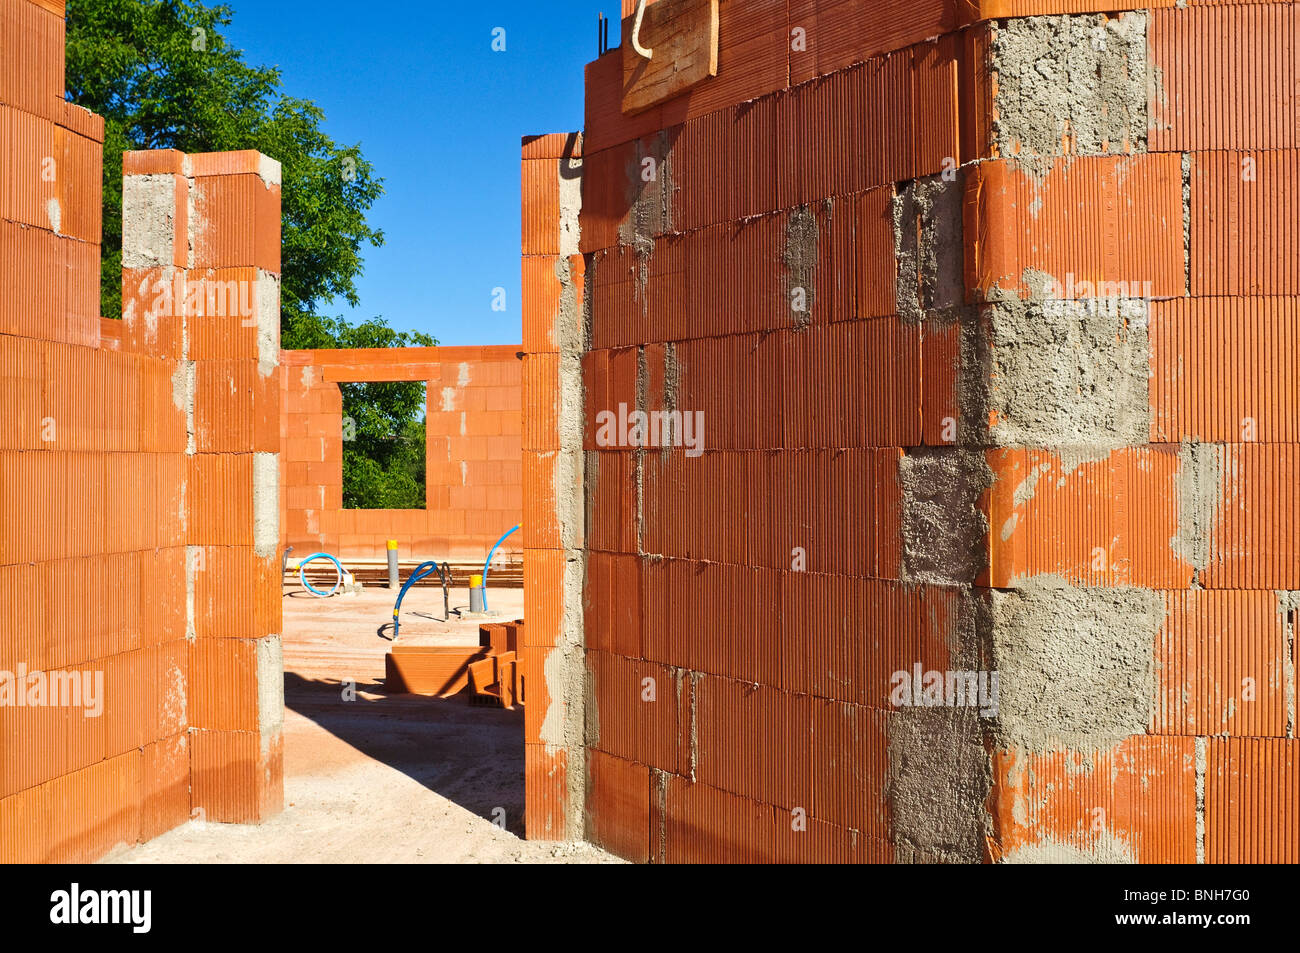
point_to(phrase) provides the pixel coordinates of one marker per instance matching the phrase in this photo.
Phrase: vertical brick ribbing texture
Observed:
(735, 694)
(233, 486)
(98, 494)
(552, 275)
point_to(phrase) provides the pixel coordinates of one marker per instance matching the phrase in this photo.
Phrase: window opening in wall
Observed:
(384, 445)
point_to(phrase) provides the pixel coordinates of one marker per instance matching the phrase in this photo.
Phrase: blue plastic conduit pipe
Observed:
(491, 553)
(422, 570)
(302, 574)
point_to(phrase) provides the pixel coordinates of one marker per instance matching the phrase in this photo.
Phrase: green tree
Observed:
(385, 473)
(163, 77)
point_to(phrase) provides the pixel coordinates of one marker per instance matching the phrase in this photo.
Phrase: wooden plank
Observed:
(682, 35)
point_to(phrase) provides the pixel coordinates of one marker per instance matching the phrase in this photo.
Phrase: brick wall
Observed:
(552, 275)
(473, 471)
(137, 476)
(1035, 416)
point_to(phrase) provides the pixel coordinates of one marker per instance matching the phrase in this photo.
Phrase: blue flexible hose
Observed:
(491, 553)
(302, 574)
(422, 570)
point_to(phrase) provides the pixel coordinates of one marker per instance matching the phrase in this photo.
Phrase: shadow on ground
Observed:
(470, 755)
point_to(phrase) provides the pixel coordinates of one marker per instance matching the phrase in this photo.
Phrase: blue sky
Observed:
(440, 115)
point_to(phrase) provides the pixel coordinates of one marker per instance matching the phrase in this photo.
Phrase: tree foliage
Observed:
(163, 76)
(381, 473)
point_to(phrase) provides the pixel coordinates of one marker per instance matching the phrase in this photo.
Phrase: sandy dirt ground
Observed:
(382, 778)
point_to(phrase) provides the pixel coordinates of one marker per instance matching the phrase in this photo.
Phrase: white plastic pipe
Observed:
(636, 31)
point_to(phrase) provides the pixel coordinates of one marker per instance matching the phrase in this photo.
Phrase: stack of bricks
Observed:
(473, 473)
(988, 383)
(490, 671)
(134, 516)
